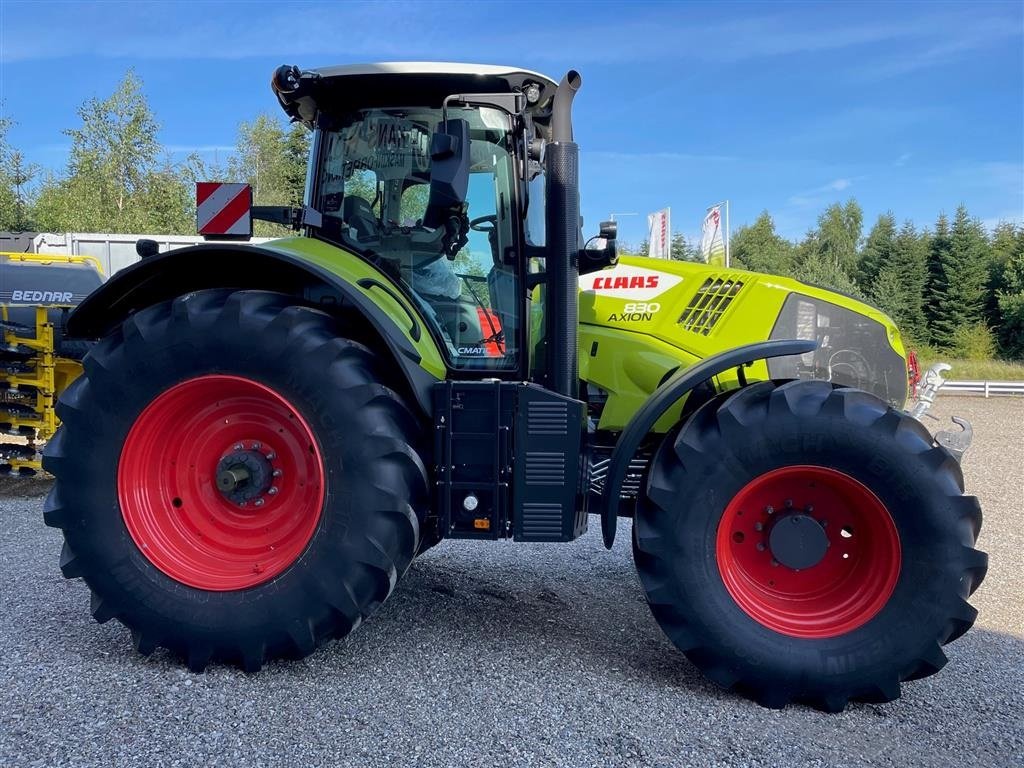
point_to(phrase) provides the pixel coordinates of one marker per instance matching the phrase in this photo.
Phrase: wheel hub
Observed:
(819, 564)
(797, 541)
(244, 475)
(221, 483)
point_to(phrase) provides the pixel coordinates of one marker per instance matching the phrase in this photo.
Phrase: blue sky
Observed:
(913, 107)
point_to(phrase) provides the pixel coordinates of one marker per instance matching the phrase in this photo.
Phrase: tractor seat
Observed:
(358, 215)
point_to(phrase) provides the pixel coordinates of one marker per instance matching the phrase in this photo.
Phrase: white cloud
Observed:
(819, 195)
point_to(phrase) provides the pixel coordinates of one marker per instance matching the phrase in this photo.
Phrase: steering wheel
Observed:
(478, 223)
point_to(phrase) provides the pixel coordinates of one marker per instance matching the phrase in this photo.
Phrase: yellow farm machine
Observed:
(37, 292)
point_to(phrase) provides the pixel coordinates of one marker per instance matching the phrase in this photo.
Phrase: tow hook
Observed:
(955, 441)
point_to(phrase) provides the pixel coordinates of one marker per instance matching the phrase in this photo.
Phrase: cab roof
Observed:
(345, 88)
(456, 69)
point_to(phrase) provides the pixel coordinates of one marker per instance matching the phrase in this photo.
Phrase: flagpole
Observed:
(726, 234)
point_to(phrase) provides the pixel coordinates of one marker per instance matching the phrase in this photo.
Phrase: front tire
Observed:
(321, 492)
(801, 542)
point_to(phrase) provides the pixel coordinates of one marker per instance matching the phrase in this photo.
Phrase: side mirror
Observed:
(449, 172)
(146, 248)
(603, 252)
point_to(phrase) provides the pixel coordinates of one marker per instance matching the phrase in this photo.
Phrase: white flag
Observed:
(659, 234)
(712, 247)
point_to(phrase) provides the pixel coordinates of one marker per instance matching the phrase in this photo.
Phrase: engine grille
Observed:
(710, 303)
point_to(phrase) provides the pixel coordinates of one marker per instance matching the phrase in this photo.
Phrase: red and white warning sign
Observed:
(223, 209)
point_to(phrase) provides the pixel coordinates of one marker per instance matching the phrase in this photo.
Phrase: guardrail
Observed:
(984, 388)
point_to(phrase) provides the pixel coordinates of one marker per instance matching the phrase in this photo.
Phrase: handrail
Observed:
(53, 258)
(984, 388)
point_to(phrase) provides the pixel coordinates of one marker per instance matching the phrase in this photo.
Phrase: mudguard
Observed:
(299, 266)
(663, 399)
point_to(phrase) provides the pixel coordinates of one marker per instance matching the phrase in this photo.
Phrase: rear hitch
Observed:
(955, 441)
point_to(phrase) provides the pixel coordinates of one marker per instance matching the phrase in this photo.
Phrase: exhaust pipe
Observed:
(562, 222)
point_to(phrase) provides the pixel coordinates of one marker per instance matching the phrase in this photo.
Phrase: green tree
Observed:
(272, 159)
(958, 275)
(878, 250)
(683, 249)
(838, 235)
(759, 248)
(898, 287)
(15, 176)
(1007, 241)
(115, 180)
(938, 244)
(1011, 307)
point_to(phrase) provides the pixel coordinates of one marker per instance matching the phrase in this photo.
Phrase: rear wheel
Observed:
(802, 542)
(234, 482)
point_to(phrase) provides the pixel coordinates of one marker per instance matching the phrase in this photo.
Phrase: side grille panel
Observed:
(710, 303)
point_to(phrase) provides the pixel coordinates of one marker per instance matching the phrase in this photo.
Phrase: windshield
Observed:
(373, 191)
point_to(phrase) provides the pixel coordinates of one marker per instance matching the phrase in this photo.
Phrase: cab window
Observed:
(373, 193)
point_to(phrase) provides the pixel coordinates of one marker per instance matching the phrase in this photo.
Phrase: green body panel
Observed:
(351, 268)
(631, 337)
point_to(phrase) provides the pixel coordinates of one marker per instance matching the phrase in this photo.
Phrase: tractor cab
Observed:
(426, 170)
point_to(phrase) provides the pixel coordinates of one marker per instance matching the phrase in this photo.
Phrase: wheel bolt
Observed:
(775, 563)
(256, 446)
(770, 509)
(271, 456)
(758, 527)
(789, 503)
(809, 508)
(760, 546)
(276, 473)
(272, 490)
(258, 502)
(238, 447)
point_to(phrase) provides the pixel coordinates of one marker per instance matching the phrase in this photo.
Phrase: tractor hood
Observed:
(671, 314)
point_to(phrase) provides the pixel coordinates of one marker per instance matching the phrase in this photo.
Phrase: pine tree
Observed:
(938, 244)
(1011, 305)
(959, 296)
(683, 249)
(898, 287)
(878, 250)
(1006, 242)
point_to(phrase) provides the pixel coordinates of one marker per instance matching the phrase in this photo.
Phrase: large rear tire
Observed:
(801, 542)
(233, 480)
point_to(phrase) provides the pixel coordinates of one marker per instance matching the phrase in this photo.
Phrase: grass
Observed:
(976, 370)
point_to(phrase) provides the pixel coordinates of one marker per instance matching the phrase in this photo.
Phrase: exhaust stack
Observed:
(562, 222)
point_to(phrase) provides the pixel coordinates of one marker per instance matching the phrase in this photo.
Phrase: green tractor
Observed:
(265, 437)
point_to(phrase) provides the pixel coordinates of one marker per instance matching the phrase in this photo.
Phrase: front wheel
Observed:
(234, 480)
(803, 542)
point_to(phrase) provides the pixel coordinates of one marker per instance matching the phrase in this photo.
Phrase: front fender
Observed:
(319, 274)
(663, 399)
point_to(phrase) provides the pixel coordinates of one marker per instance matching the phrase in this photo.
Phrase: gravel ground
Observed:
(496, 654)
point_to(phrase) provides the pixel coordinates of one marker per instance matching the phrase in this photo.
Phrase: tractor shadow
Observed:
(571, 610)
(550, 609)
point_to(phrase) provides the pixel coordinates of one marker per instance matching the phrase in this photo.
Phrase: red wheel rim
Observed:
(853, 579)
(168, 493)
